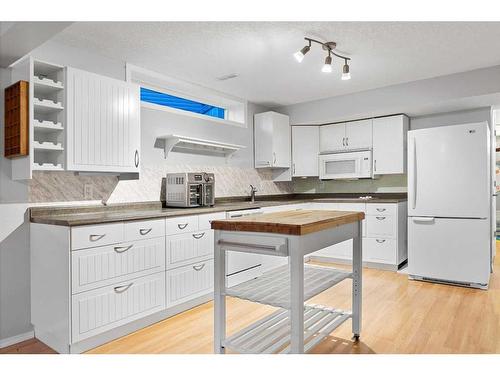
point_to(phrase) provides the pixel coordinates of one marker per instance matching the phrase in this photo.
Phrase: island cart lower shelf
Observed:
(296, 327)
(272, 334)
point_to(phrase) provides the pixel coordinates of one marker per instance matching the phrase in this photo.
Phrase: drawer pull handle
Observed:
(381, 209)
(122, 288)
(380, 241)
(96, 237)
(380, 217)
(199, 268)
(145, 231)
(182, 226)
(122, 249)
(198, 235)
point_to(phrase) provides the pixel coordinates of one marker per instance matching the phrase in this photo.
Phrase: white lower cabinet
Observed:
(183, 249)
(102, 309)
(96, 267)
(380, 250)
(188, 282)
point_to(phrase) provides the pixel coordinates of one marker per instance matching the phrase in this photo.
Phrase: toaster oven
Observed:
(190, 189)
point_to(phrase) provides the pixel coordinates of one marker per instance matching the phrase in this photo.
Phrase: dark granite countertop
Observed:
(87, 215)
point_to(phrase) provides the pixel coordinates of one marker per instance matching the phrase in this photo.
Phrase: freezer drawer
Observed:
(449, 249)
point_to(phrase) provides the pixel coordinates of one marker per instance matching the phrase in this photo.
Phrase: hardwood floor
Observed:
(399, 316)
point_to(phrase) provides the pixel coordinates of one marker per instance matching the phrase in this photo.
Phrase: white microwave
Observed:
(345, 165)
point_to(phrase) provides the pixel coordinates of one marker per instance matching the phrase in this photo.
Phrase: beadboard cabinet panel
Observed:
(187, 248)
(189, 282)
(101, 266)
(101, 309)
(103, 124)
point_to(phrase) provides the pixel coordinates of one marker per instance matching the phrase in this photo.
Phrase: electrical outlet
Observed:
(88, 191)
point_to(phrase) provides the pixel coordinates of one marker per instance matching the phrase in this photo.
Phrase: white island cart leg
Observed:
(219, 296)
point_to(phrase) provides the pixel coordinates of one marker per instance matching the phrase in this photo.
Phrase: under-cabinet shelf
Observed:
(273, 287)
(272, 334)
(179, 143)
(47, 167)
(50, 146)
(47, 126)
(46, 106)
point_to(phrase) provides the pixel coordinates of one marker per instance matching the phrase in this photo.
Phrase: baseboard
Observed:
(16, 339)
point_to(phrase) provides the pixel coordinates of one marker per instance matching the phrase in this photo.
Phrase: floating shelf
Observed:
(272, 333)
(178, 143)
(46, 106)
(47, 126)
(273, 287)
(47, 146)
(47, 167)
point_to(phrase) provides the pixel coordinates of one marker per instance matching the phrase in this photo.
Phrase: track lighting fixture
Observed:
(345, 72)
(299, 56)
(329, 47)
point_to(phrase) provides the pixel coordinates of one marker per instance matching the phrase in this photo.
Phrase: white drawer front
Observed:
(187, 248)
(386, 209)
(188, 282)
(381, 226)
(101, 266)
(99, 310)
(139, 230)
(204, 220)
(96, 235)
(379, 250)
(181, 224)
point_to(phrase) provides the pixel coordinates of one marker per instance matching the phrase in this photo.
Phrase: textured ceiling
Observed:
(383, 53)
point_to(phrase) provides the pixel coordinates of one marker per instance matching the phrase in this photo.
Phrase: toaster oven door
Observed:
(208, 195)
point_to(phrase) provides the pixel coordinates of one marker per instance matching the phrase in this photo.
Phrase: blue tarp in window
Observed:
(166, 100)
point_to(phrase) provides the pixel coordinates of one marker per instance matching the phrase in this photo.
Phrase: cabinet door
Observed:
(263, 134)
(103, 124)
(389, 144)
(358, 134)
(281, 141)
(332, 137)
(305, 149)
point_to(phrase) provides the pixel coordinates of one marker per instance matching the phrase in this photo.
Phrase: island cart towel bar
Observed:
(296, 327)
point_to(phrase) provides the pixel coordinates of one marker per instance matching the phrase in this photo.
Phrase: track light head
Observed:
(299, 56)
(327, 68)
(345, 72)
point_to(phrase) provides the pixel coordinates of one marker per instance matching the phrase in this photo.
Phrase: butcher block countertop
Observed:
(296, 222)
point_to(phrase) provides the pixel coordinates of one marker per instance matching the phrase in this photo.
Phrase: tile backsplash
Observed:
(68, 186)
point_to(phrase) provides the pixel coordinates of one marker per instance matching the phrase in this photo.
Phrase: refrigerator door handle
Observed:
(414, 173)
(423, 219)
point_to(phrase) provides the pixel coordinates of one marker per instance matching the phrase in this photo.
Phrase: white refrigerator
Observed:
(449, 204)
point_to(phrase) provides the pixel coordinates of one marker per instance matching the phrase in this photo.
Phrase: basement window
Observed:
(166, 100)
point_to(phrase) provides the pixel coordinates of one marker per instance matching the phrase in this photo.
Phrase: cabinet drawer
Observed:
(386, 209)
(204, 220)
(381, 226)
(188, 282)
(181, 224)
(101, 266)
(96, 235)
(102, 309)
(379, 250)
(139, 230)
(187, 248)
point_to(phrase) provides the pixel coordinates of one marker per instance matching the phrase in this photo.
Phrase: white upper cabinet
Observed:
(103, 123)
(358, 134)
(305, 149)
(332, 137)
(346, 136)
(272, 140)
(389, 144)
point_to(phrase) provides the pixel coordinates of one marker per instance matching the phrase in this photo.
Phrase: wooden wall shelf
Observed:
(17, 120)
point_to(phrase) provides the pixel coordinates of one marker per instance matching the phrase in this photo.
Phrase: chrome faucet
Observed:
(253, 190)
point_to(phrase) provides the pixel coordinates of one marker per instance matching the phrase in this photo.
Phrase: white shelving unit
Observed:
(179, 143)
(47, 117)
